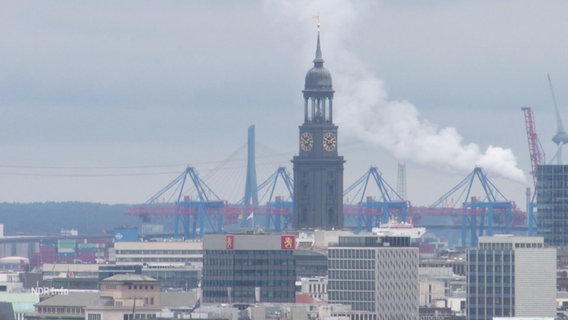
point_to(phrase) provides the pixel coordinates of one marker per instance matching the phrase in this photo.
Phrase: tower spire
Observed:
(318, 61)
(318, 168)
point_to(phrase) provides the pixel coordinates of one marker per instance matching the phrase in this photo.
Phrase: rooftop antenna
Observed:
(560, 138)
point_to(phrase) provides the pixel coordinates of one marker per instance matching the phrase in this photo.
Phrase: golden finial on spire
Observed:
(317, 18)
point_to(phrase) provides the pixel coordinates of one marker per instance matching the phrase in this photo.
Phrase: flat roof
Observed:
(129, 277)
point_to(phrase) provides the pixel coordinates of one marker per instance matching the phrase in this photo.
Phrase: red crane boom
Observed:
(532, 137)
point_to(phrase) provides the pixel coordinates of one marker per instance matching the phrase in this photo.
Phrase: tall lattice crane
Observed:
(537, 157)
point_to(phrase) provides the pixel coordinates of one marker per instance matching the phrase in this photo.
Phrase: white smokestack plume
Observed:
(364, 112)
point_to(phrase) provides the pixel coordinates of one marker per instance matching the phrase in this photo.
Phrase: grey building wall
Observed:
(510, 276)
(376, 276)
(535, 282)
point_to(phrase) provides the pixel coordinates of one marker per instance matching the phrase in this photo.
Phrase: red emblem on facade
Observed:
(229, 242)
(287, 242)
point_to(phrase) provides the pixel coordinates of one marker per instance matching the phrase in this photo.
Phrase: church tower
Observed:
(318, 169)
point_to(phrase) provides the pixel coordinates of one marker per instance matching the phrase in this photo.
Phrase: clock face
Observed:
(329, 141)
(306, 141)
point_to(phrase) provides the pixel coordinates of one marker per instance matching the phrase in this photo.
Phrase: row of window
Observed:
(247, 252)
(374, 241)
(372, 264)
(317, 287)
(355, 316)
(264, 273)
(218, 261)
(157, 259)
(475, 302)
(138, 252)
(351, 295)
(61, 310)
(496, 246)
(351, 274)
(351, 285)
(472, 290)
(249, 292)
(406, 259)
(351, 264)
(141, 287)
(138, 316)
(493, 269)
(247, 283)
(489, 279)
(510, 269)
(351, 254)
(490, 256)
(246, 261)
(509, 246)
(147, 301)
(263, 262)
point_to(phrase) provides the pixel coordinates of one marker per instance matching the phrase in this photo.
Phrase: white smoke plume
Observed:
(364, 111)
(396, 126)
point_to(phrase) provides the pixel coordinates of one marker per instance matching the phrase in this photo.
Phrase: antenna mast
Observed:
(401, 180)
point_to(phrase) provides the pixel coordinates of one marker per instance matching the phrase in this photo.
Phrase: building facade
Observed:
(510, 276)
(121, 297)
(167, 253)
(21, 302)
(552, 203)
(318, 168)
(315, 287)
(375, 275)
(310, 263)
(248, 268)
(127, 297)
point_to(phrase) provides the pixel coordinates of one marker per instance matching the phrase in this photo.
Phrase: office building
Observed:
(248, 268)
(376, 275)
(552, 204)
(158, 252)
(510, 276)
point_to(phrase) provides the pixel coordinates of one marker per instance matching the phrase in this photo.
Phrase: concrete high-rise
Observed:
(510, 276)
(376, 275)
(318, 168)
(552, 204)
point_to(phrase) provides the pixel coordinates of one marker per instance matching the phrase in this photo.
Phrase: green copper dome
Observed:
(318, 77)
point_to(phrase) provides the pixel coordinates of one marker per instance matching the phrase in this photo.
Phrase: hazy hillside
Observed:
(51, 217)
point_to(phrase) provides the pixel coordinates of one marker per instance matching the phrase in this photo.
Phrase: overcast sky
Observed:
(108, 102)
